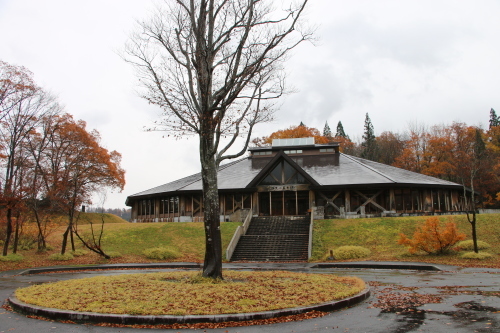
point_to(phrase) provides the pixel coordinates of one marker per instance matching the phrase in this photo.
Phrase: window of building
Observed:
(295, 151)
(147, 207)
(282, 174)
(169, 205)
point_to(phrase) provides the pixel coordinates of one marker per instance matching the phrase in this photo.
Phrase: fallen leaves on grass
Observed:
(173, 293)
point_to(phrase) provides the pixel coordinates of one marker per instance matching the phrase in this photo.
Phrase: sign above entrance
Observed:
(280, 188)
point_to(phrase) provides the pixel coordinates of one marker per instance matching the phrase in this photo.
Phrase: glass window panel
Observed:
(289, 172)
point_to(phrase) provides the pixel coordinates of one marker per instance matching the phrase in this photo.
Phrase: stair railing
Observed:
(311, 224)
(240, 231)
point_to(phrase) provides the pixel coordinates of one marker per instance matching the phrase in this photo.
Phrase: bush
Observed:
(432, 238)
(13, 257)
(351, 252)
(79, 252)
(468, 245)
(61, 257)
(476, 256)
(161, 253)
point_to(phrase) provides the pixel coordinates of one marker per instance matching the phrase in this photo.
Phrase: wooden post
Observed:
(347, 201)
(428, 201)
(296, 204)
(270, 204)
(392, 200)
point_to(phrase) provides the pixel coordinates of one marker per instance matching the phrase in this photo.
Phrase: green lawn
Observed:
(380, 235)
(186, 238)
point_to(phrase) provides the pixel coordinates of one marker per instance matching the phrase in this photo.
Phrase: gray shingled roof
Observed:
(356, 171)
(350, 171)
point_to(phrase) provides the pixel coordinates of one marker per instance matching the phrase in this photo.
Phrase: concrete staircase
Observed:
(274, 238)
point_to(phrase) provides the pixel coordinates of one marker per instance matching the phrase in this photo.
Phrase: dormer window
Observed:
(262, 153)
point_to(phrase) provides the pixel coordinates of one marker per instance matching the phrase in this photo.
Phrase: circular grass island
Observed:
(186, 297)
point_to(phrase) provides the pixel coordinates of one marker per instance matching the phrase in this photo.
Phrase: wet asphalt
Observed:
(404, 299)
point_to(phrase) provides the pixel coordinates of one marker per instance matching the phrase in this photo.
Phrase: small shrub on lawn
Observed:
(161, 253)
(432, 238)
(476, 256)
(61, 257)
(13, 257)
(79, 252)
(468, 245)
(351, 252)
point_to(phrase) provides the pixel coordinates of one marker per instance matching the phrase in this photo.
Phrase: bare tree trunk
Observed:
(212, 266)
(65, 239)
(41, 244)
(72, 238)
(474, 232)
(8, 232)
(69, 231)
(16, 234)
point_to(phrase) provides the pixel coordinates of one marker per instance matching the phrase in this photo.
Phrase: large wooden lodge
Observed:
(294, 177)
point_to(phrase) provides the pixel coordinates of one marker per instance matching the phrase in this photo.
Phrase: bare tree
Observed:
(16, 85)
(213, 66)
(473, 156)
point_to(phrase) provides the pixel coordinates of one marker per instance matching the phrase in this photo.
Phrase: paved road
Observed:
(469, 301)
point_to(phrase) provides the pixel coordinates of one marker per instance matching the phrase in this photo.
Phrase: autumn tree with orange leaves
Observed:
(78, 167)
(50, 163)
(23, 104)
(432, 238)
(300, 131)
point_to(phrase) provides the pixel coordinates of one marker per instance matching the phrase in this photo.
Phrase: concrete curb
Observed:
(93, 317)
(417, 267)
(111, 267)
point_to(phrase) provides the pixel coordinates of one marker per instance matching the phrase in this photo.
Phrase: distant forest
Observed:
(467, 155)
(124, 213)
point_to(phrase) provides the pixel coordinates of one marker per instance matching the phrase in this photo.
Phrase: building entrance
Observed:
(283, 203)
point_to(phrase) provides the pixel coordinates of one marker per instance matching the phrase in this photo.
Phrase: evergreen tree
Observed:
(494, 120)
(340, 131)
(369, 144)
(302, 124)
(327, 132)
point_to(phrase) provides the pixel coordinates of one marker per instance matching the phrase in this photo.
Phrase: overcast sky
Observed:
(430, 62)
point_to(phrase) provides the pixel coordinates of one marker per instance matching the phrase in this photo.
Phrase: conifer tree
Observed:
(302, 124)
(369, 143)
(340, 131)
(494, 120)
(327, 132)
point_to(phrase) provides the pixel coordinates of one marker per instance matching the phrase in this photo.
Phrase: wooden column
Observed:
(392, 200)
(347, 201)
(135, 209)
(312, 199)
(428, 206)
(255, 203)
(157, 209)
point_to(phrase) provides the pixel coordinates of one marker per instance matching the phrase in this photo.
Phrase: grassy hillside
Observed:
(127, 242)
(85, 218)
(380, 235)
(187, 238)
